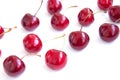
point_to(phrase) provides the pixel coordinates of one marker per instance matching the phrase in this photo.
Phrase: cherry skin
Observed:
(108, 32)
(30, 22)
(13, 65)
(1, 32)
(78, 40)
(55, 59)
(0, 53)
(85, 17)
(59, 21)
(114, 13)
(104, 4)
(32, 43)
(54, 6)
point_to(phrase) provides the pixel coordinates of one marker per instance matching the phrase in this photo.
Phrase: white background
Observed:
(98, 61)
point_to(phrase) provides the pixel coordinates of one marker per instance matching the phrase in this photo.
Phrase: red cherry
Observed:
(78, 40)
(55, 59)
(1, 31)
(30, 22)
(104, 4)
(32, 43)
(54, 6)
(108, 32)
(0, 53)
(114, 13)
(13, 65)
(59, 21)
(85, 17)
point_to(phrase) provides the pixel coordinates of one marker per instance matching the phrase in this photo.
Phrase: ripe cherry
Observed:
(1, 31)
(32, 43)
(0, 53)
(108, 32)
(54, 6)
(114, 13)
(78, 40)
(31, 22)
(59, 21)
(104, 4)
(85, 17)
(55, 59)
(13, 65)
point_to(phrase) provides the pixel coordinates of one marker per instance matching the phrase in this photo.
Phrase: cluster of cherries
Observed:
(57, 59)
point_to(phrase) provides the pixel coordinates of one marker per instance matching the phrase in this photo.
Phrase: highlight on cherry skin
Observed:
(55, 59)
(31, 22)
(104, 4)
(78, 40)
(108, 32)
(85, 17)
(114, 13)
(32, 43)
(59, 21)
(13, 66)
(54, 6)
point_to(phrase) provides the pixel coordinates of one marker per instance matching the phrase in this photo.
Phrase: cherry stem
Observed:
(99, 12)
(8, 30)
(56, 38)
(117, 20)
(38, 8)
(29, 55)
(69, 8)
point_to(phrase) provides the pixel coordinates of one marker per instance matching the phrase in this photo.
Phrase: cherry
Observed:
(55, 59)
(1, 31)
(32, 43)
(54, 6)
(85, 17)
(0, 53)
(104, 4)
(114, 13)
(108, 32)
(78, 40)
(31, 22)
(59, 21)
(13, 65)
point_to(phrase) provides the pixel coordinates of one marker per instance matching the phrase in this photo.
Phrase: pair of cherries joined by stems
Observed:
(14, 66)
(54, 59)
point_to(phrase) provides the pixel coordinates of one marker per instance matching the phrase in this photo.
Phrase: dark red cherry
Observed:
(59, 21)
(1, 32)
(114, 13)
(32, 43)
(13, 65)
(30, 22)
(54, 6)
(85, 17)
(78, 40)
(108, 32)
(104, 4)
(55, 59)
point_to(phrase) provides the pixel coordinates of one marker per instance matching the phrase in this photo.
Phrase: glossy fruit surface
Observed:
(114, 13)
(30, 22)
(59, 21)
(13, 65)
(32, 43)
(54, 6)
(78, 40)
(86, 17)
(55, 59)
(1, 31)
(104, 4)
(108, 32)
